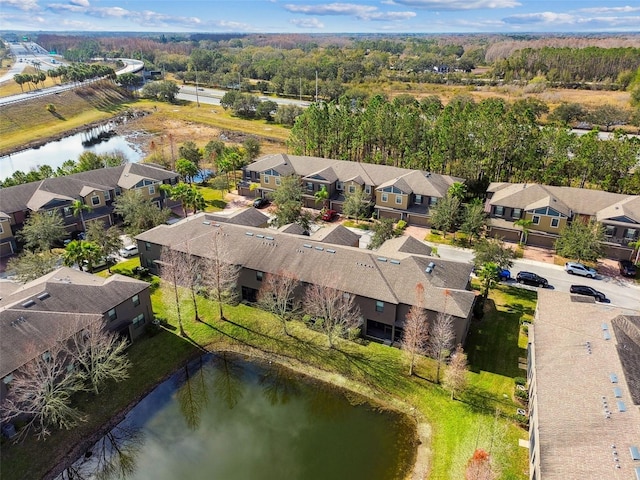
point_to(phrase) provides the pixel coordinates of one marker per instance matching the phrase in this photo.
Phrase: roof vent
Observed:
(635, 453)
(613, 377)
(330, 250)
(206, 223)
(395, 262)
(43, 295)
(320, 248)
(306, 245)
(249, 234)
(621, 406)
(605, 326)
(606, 335)
(268, 238)
(28, 303)
(382, 259)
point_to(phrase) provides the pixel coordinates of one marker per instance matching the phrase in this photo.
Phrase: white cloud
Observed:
(26, 5)
(307, 23)
(541, 17)
(362, 12)
(626, 9)
(81, 3)
(443, 5)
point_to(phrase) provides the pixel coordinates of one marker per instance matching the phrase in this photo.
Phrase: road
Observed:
(622, 293)
(212, 96)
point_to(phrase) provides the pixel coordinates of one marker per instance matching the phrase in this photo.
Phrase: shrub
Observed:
(520, 381)
(522, 420)
(522, 394)
(401, 225)
(51, 108)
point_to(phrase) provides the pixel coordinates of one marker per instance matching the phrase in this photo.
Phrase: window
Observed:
(67, 211)
(138, 321)
(339, 186)
(95, 200)
(609, 231)
(379, 306)
(367, 189)
(498, 211)
(419, 199)
(136, 300)
(517, 213)
(432, 201)
(112, 314)
(152, 189)
(118, 191)
(310, 186)
(266, 179)
(278, 182)
(399, 199)
(630, 233)
(107, 195)
(7, 380)
(46, 356)
(536, 220)
(555, 222)
(385, 197)
(352, 189)
(259, 276)
(147, 246)
(1, 228)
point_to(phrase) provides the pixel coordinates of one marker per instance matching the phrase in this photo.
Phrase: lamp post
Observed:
(197, 97)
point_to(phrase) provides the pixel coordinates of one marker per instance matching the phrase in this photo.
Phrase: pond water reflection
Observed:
(57, 152)
(231, 419)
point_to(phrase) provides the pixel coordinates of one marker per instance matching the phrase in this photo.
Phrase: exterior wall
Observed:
(387, 214)
(545, 223)
(89, 199)
(127, 311)
(505, 234)
(534, 433)
(391, 200)
(421, 220)
(541, 240)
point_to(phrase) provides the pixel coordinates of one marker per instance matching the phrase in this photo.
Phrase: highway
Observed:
(212, 96)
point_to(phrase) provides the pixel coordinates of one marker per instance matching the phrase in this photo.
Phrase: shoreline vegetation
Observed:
(447, 432)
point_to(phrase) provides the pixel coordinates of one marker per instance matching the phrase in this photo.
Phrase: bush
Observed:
(522, 394)
(522, 420)
(401, 225)
(520, 381)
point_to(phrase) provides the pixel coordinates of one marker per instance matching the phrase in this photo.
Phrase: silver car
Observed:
(574, 268)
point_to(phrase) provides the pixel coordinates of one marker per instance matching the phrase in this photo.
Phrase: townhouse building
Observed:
(551, 208)
(96, 189)
(396, 193)
(37, 315)
(384, 284)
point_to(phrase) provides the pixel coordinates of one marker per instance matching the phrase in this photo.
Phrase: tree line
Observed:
(487, 141)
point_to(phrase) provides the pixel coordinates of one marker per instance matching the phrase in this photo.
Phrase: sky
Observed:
(313, 16)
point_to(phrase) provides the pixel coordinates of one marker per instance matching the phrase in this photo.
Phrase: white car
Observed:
(574, 268)
(128, 251)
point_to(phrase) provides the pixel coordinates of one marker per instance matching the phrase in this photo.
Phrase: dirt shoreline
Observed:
(421, 464)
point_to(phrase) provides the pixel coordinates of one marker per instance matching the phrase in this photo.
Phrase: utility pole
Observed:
(197, 97)
(300, 89)
(316, 86)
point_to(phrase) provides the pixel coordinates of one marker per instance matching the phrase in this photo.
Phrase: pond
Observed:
(225, 418)
(55, 153)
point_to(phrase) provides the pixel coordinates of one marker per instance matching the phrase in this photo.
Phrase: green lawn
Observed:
(457, 427)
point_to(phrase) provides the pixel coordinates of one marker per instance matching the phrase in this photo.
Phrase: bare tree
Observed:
(416, 329)
(41, 393)
(193, 276)
(441, 339)
(99, 354)
(479, 467)
(455, 377)
(172, 272)
(333, 310)
(277, 295)
(221, 276)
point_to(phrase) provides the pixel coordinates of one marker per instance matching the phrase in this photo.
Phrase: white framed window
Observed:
(517, 213)
(310, 186)
(367, 189)
(259, 276)
(112, 314)
(107, 195)
(118, 191)
(418, 200)
(152, 189)
(379, 306)
(95, 200)
(498, 211)
(433, 201)
(536, 219)
(46, 356)
(67, 211)
(555, 222)
(399, 199)
(352, 189)
(630, 233)
(339, 186)
(609, 230)
(138, 321)
(1, 228)
(278, 181)
(266, 179)
(147, 246)
(8, 379)
(385, 197)
(135, 300)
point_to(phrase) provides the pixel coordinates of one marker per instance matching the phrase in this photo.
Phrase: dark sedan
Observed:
(260, 202)
(589, 291)
(627, 268)
(530, 278)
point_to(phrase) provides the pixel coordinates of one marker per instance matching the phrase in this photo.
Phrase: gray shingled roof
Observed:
(336, 235)
(350, 269)
(404, 244)
(245, 216)
(421, 183)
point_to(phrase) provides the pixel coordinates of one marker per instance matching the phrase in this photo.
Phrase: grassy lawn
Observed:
(214, 198)
(380, 372)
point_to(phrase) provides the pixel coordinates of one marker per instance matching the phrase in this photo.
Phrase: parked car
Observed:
(260, 202)
(589, 291)
(530, 278)
(574, 268)
(504, 275)
(627, 268)
(128, 251)
(329, 215)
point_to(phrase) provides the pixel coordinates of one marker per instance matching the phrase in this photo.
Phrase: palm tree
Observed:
(78, 207)
(525, 223)
(636, 246)
(457, 190)
(80, 251)
(322, 196)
